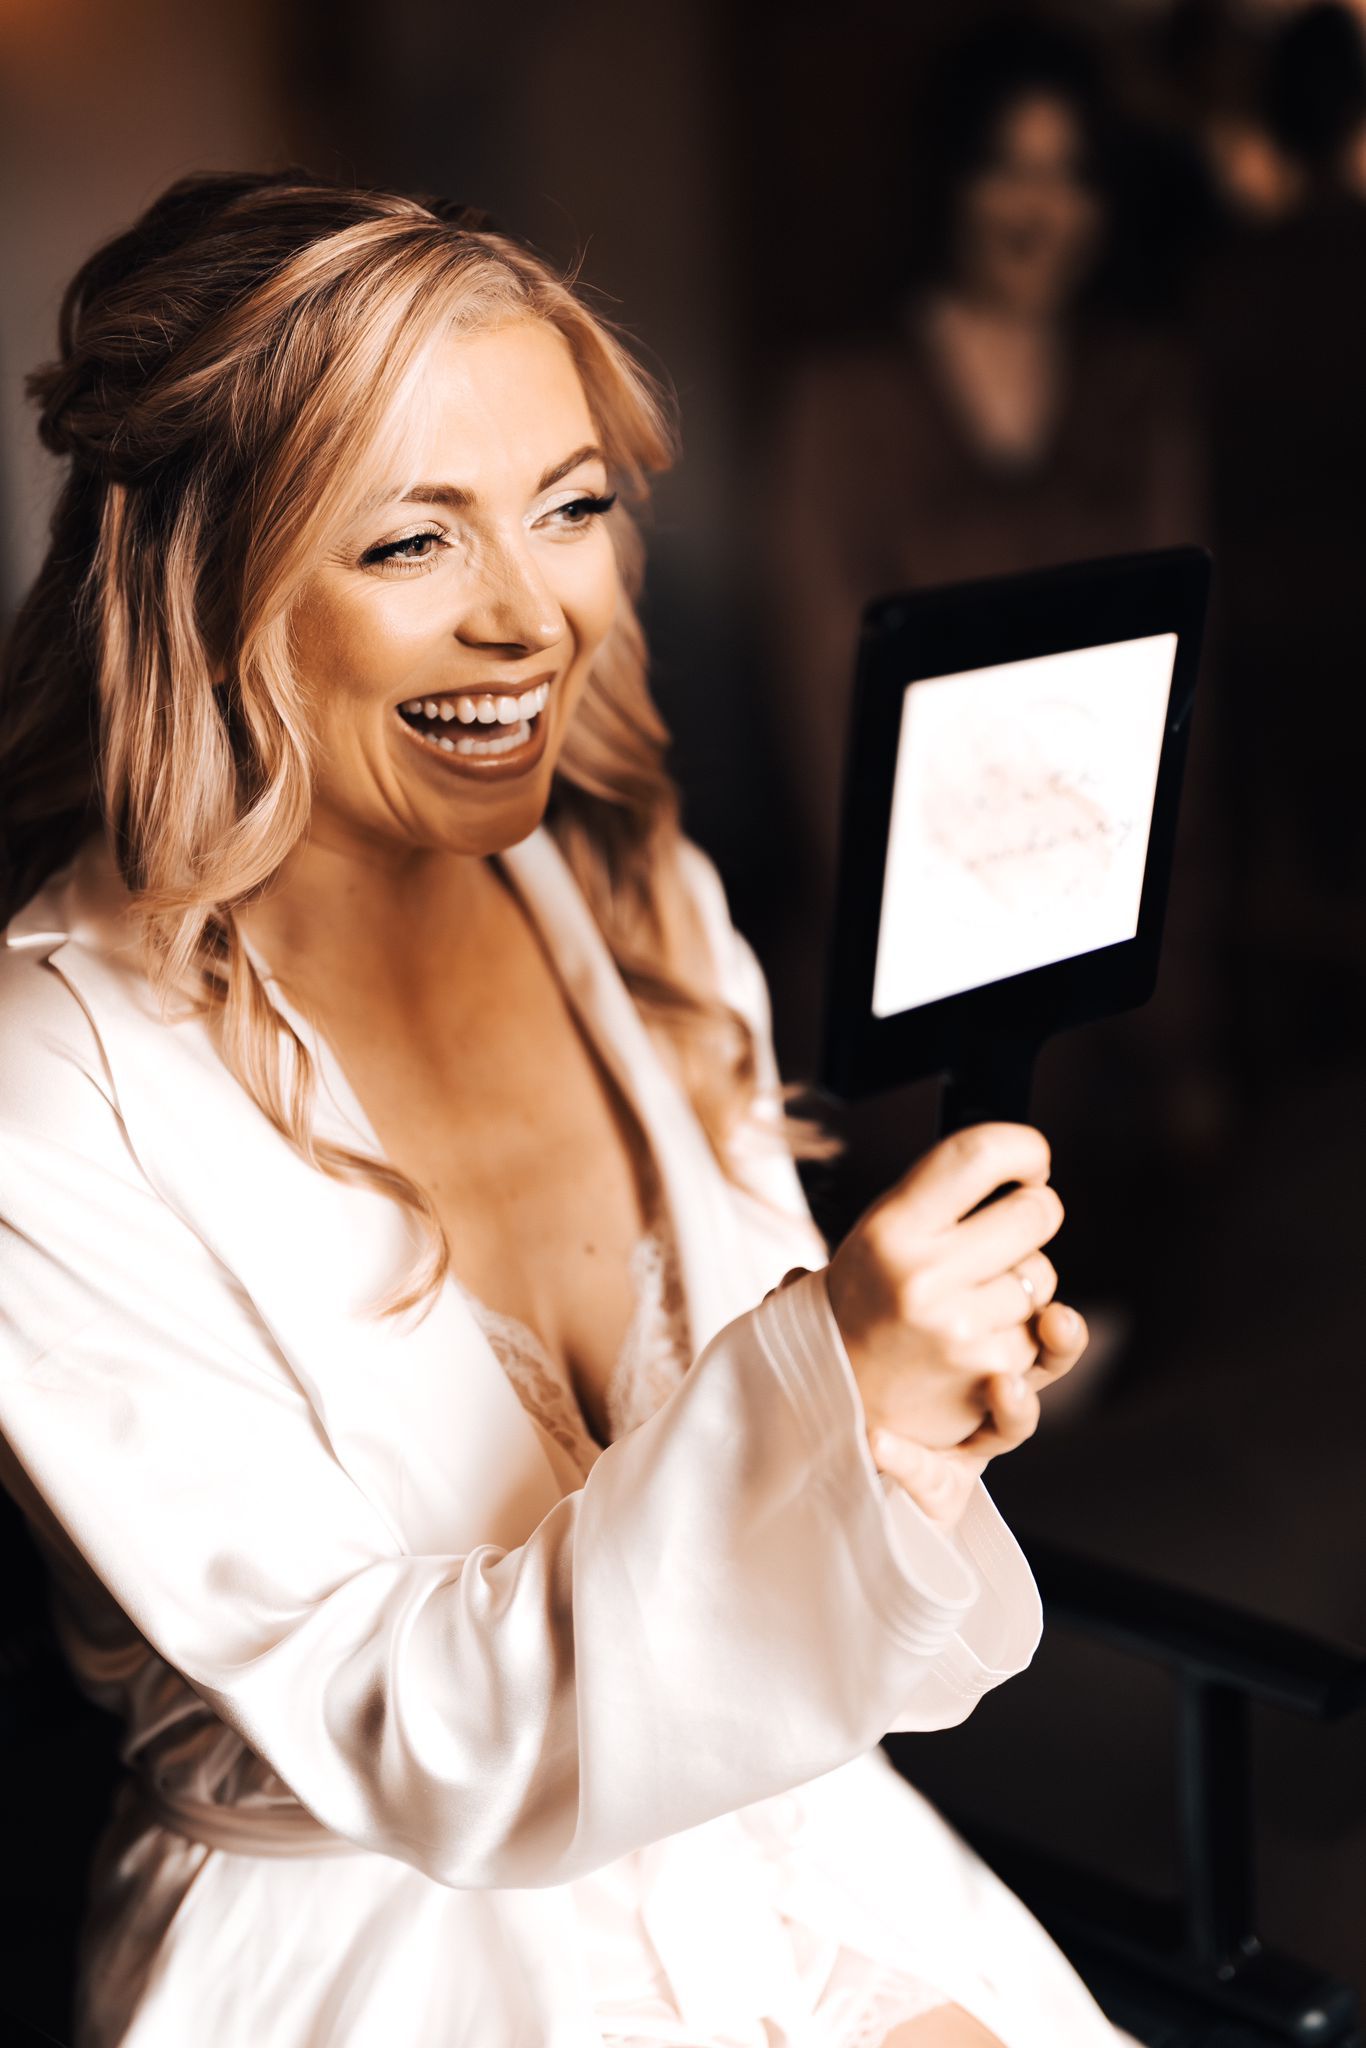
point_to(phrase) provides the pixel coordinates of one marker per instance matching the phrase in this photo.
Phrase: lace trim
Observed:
(655, 1352)
(536, 1381)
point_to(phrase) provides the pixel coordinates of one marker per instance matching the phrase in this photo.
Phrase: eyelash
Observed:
(387, 556)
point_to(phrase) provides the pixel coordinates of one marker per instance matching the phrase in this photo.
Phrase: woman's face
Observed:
(446, 638)
(1028, 221)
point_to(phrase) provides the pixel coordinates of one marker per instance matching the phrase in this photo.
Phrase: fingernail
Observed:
(1068, 1321)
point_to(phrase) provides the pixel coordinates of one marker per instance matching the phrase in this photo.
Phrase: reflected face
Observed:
(1028, 222)
(447, 636)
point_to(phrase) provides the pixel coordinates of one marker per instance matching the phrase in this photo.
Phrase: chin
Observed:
(496, 819)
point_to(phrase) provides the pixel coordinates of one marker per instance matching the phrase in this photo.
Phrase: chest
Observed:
(508, 1118)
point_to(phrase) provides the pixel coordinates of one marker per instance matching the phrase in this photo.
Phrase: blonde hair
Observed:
(228, 365)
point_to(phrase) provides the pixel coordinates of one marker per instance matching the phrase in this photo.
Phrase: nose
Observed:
(513, 607)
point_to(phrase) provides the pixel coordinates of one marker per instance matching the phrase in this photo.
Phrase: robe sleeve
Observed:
(1000, 1620)
(720, 1613)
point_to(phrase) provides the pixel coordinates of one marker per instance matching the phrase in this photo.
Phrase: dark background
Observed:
(741, 183)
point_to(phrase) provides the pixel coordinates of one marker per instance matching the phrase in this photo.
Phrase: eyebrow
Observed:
(459, 498)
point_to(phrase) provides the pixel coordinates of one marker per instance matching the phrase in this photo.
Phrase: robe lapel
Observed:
(420, 1413)
(717, 1271)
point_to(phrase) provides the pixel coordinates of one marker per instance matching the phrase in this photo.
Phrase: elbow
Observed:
(498, 1813)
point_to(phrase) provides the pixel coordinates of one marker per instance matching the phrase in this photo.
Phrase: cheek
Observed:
(355, 655)
(350, 661)
(590, 590)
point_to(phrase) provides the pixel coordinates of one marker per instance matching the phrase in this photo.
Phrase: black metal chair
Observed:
(1188, 1972)
(60, 1766)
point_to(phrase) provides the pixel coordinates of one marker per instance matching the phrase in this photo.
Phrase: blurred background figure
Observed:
(1005, 415)
(1283, 358)
(1001, 420)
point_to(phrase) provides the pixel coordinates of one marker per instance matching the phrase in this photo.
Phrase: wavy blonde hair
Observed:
(228, 367)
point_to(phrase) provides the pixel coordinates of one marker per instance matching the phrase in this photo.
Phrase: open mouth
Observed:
(478, 725)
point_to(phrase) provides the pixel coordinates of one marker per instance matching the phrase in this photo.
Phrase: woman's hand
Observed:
(940, 1482)
(948, 1347)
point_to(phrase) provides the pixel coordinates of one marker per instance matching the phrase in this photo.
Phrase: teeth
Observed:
(489, 709)
(506, 738)
(516, 736)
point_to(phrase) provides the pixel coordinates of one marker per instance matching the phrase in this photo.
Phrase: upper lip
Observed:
(504, 687)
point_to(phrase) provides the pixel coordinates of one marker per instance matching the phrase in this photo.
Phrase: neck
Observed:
(342, 916)
(1008, 316)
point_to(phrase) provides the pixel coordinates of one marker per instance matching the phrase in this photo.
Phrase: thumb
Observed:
(1063, 1336)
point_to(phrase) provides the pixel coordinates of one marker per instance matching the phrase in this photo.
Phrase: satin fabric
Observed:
(391, 1682)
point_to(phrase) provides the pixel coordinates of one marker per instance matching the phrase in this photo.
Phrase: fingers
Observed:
(999, 1237)
(983, 1354)
(939, 1482)
(1014, 1412)
(962, 1170)
(1006, 1300)
(1012, 1417)
(1063, 1337)
(1063, 1340)
(923, 1289)
(1056, 1334)
(991, 1328)
(969, 1254)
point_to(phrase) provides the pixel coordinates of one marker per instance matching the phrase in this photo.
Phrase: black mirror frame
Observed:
(986, 1038)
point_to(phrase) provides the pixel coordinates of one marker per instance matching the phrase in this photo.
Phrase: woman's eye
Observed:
(395, 554)
(581, 512)
(418, 550)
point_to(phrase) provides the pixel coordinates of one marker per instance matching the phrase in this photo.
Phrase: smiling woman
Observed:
(419, 1364)
(444, 623)
(235, 608)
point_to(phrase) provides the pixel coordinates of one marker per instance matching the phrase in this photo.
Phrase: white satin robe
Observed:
(393, 1677)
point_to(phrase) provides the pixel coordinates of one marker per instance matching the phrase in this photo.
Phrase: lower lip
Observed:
(487, 767)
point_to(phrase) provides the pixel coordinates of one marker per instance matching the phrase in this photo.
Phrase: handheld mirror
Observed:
(1012, 778)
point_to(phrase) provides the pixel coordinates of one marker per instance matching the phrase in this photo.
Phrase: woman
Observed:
(458, 1458)
(996, 421)
(999, 422)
